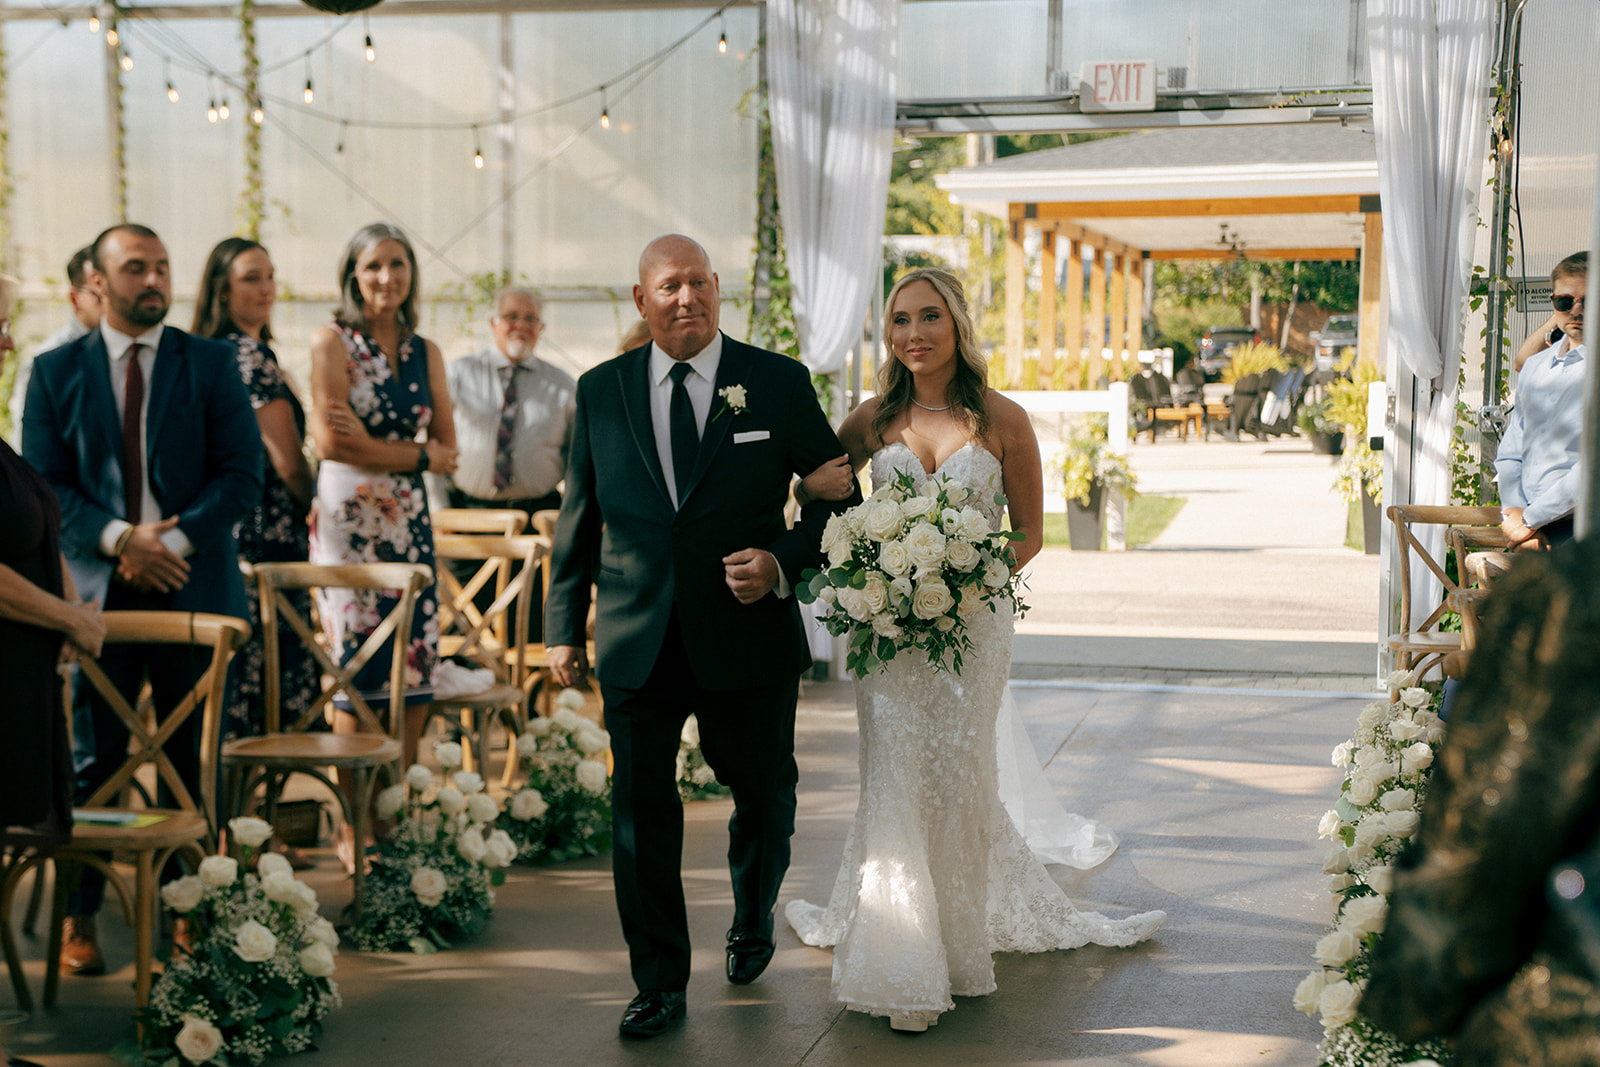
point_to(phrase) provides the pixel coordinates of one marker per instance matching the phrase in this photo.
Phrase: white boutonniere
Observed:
(733, 400)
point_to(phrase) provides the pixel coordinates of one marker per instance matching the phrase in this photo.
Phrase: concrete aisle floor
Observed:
(1215, 793)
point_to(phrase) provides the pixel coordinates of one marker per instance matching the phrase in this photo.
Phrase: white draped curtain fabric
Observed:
(1430, 79)
(831, 69)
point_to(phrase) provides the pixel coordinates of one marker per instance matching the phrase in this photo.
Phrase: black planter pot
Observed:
(1086, 522)
(1327, 444)
(1371, 525)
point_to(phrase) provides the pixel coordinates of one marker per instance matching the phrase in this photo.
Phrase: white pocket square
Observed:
(751, 435)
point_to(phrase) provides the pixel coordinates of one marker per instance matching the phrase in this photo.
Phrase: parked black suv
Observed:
(1217, 345)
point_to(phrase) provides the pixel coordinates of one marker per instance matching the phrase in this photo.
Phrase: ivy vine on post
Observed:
(252, 200)
(5, 158)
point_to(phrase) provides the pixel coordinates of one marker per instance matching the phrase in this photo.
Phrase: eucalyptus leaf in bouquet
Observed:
(696, 779)
(255, 980)
(907, 566)
(431, 879)
(564, 810)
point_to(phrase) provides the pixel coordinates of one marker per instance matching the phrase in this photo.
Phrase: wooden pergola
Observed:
(1290, 192)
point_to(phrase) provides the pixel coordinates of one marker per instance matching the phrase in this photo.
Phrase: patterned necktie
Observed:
(508, 425)
(685, 432)
(132, 449)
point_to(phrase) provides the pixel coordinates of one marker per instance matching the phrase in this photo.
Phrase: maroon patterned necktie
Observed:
(508, 424)
(132, 448)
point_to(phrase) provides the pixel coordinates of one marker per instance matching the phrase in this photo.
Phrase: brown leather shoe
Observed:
(80, 951)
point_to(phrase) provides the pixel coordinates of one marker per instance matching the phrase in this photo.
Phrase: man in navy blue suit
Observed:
(147, 437)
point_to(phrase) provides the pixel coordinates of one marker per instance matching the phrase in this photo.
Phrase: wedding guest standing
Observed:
(234, 305)
(380, 417)
(146, 435)
(85, 317)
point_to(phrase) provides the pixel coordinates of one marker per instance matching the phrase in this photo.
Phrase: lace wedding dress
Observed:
(935, 875)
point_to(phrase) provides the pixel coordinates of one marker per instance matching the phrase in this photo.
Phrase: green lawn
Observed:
(1148, 515)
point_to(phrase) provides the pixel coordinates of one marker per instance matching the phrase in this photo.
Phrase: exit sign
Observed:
(1118, 85)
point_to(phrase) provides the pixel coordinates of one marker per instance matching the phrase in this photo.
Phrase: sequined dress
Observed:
(936, 877)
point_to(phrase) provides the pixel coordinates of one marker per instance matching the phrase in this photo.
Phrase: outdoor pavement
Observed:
(1187, 695)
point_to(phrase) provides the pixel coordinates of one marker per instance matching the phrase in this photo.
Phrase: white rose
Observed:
(570, 699)
(828, 595)
(539, 726)
(467, 781)
(471, 844)
(894, 558)
(1367, 756)
(996, 574)
(592, 740)
(199, 1041)
(840, 553)
(925, 545)
(1373, 714)
(591, 776)
(418, 777)
(854, 602)
(885, 626)
(1343, 754)
(502, 838)
(1404, 730)
(497, 854)
(956, 493)
(836, 531)
(1398, 800)
(691, 731)
(1361, 855)
(1338, 1004)
(876, 592)
(881, 520)
(272, 863)
(1364, 914)
(305, 902)
(219, 871)
(448, 753)
(183, 894)
(900, 591)
(1308, 994)
(316, 959)
(280, 888)
(972, 601)
(944, 624)
(1417, 757)
(1329, 825)
(1372, 830)
(528, 804)
(249, 831)
(962, 555)
(1335, 948)
(320, 929)
(451, 801)
(1340, 882)
(1363, 790)
(482, 808)
(390, 801)
(253, 942)
(931, 599)
(917, 506)
(1381, 879)
(527, 745)
(1414, 697)
(1402, 824)
(1434, 735)
(429, 885)
(1400, 680)
(974, 524)
(568, 719)
(1336, 861)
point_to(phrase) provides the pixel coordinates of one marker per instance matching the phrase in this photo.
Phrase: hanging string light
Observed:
(126, 61)
(212, 115)
(477, 150)
(94, 24)
(310, 92)
(605, 112)
(222, 108)
(166, 72)
(722, 41)
(344, 128)
(257, 114)
(366, 27)
(111, 37)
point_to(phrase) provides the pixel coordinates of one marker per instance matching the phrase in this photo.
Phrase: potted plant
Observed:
(1089, 467)
(1316, 421)
(1359, 476)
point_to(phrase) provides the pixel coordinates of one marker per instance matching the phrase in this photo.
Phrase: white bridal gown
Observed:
(936, 876)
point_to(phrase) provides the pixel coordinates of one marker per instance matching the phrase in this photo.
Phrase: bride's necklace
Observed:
(926, 407)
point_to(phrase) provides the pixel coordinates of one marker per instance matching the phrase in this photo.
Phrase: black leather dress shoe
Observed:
(653, 1013)
(748, 956)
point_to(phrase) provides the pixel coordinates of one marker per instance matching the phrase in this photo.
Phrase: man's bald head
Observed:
(671, 246)
(678, 295)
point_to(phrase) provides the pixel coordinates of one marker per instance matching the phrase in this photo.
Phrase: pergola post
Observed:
(1047, 310)
(1016, 289)
(1135, 266)
(1073, 294)
(1371, 287)
(1117, 265)
(1097, 314)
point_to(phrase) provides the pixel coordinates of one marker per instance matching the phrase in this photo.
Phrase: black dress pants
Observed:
(747, 736)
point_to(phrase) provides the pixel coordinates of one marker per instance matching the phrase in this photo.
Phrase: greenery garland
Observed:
(119, 148)
(252, 199)
(5, 160)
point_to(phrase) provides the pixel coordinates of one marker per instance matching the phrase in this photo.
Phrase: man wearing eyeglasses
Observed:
(85, 317)
(1537, 464)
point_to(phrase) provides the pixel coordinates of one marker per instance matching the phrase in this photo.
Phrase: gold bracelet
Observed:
(122, 542)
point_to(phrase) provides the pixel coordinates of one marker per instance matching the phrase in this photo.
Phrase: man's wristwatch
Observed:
(422, 459)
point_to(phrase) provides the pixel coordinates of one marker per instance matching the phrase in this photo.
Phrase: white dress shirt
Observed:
(546, 401)
(118, 346)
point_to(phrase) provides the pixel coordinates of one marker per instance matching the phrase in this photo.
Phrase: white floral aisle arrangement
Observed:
(696, 779)
(431, 879)
(905, 569)
(1387, 765)
(564, 810)
(256, 978)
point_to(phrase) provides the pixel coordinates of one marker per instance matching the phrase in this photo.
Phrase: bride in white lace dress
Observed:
(935, 875)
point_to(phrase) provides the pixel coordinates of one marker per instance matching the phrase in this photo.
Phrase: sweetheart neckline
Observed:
(926, 473)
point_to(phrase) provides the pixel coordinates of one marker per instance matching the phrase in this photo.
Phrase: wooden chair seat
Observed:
(323, 750)
(176, 828)
(1421, 645)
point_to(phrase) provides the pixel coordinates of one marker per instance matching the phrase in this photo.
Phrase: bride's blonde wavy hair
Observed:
(965, 394)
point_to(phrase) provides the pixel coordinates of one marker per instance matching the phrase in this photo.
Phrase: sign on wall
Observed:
(1117, 85)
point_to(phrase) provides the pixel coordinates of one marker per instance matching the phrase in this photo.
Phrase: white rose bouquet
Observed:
(431, 879)
(1386, 767)
(696, 779)
(564, 809)
(907, 566)
(255, 979)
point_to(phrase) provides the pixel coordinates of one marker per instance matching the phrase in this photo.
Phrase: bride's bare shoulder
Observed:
(855, 433)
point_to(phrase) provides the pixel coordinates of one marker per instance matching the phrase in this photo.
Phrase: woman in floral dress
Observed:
(237, 291)
(375, 388)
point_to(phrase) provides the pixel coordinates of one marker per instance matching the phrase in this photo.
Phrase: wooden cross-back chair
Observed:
(536, 656)
(155, 834)
(507, 521)
(496, 639)
(291, 748)
(1421, 646)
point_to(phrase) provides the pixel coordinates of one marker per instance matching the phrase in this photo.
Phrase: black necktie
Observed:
(685, 433)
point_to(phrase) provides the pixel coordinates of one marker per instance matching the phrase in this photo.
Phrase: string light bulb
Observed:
(366, 28)
(311, 94)
(172, 92)
(605, 112)
(477, 150)
(212, 115)
(166, 74)
(722, 41)
(94, 24)
(257, 115)
(222, 109)
(126, 62)
(111, 37)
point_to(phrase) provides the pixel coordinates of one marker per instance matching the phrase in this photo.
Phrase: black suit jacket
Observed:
(618, 529)
(202, 452)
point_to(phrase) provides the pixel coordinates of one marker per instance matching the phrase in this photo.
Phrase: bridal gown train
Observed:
(936, 875)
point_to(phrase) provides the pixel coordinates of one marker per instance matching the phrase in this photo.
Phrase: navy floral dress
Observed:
(364, 516)
(275, 532)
